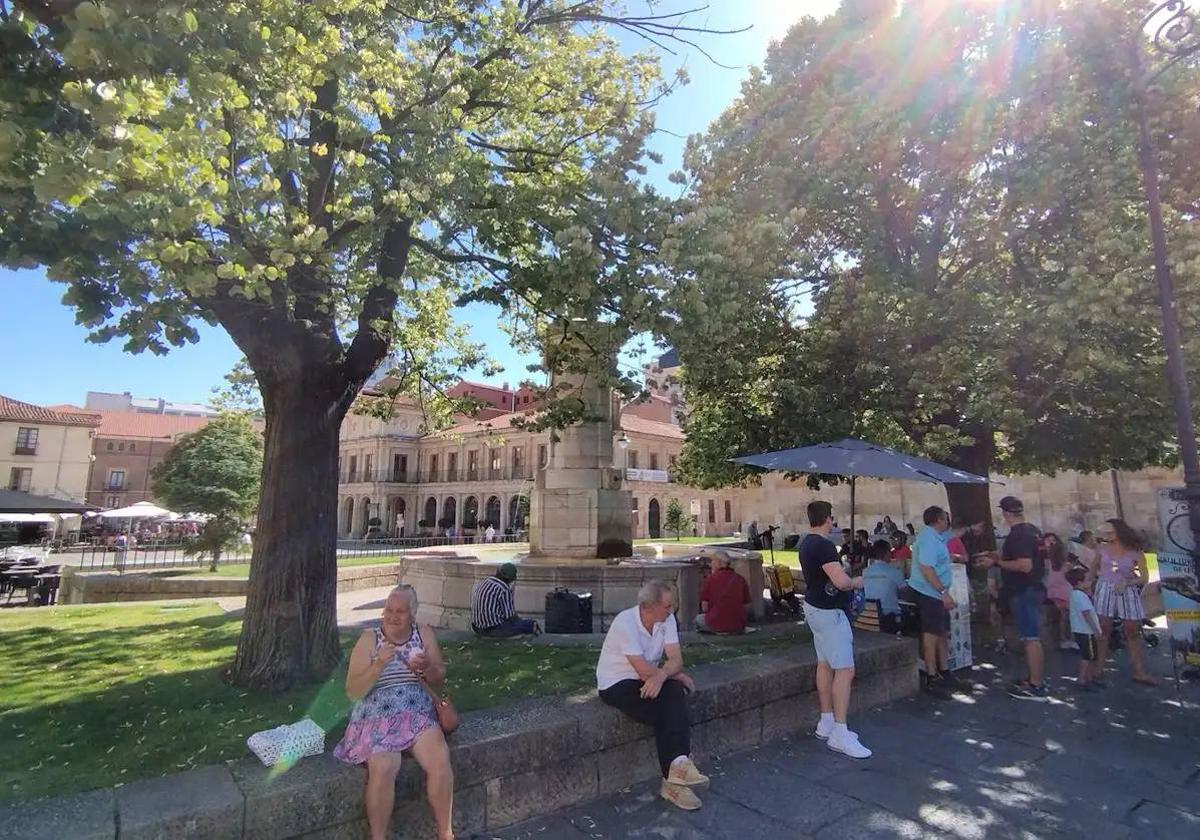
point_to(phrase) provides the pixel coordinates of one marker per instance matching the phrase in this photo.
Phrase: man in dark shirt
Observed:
(1022, 569)
(825, 600)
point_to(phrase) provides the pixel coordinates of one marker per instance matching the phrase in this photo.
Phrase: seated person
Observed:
(493, 612)
(724, 596)
(630, 678)
(881, 582)
(901, 551)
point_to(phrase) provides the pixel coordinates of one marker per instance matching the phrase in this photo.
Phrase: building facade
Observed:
(45, 451)
(481, 471)
(128, 446)
(103, 401)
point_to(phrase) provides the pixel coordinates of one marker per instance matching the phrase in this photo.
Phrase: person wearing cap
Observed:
(1023, 568)
(493, 612)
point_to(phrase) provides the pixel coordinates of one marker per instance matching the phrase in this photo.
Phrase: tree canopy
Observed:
(943, 249)
(327, 180)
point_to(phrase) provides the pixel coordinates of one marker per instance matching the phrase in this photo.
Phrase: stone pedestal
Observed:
(579, 512)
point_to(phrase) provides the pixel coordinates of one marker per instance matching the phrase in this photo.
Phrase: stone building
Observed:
(45, 451)
(481, 471)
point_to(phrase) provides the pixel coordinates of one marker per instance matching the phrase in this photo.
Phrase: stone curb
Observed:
(510, 763)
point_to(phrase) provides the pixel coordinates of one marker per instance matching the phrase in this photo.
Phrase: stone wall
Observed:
(510, 764)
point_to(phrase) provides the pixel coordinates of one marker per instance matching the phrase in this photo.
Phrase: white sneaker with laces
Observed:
(848, 745)
(823, 732)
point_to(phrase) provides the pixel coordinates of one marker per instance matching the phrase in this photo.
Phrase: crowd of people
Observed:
(1090, 584)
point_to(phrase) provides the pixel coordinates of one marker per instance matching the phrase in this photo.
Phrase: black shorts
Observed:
(935, 618)
(1087, 646)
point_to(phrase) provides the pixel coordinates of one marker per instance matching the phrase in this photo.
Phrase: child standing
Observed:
(1084, 626)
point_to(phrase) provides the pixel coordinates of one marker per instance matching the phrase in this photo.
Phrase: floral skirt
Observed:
(388, 720)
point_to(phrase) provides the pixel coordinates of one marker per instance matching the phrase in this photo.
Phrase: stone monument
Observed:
(579, 511)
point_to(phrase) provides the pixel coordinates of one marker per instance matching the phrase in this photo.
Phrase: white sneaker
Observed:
(1067, 645)
(848, 745)
(823, 732)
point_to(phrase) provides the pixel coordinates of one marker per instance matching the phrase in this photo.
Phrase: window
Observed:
(120, 447)
(366, 468)
(353, 467)
(633, 459)
(472, 465)
(27, 441)
(116, 480)
(495, 463)
(653, 460)
(635, 506)
(712, 511)
(670, 462)
(113, 501)
(399, 467)
(132, 447)
(452, 466)
(20, 478)
(728, 511)
(433, 476)
(541, 456)
(110, 446)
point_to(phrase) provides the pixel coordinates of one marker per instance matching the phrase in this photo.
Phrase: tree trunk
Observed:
(971, 503)
(216, 558)
(290, 630)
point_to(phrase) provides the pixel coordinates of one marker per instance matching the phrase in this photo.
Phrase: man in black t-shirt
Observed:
(825, 600)
(1023, 568)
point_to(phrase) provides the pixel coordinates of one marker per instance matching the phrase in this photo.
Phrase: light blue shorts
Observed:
(832, 636)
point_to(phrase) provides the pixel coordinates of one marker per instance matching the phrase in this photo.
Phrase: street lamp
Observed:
(1176, 36)
(623, 442)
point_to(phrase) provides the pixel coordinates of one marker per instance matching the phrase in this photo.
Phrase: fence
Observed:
(175, 555)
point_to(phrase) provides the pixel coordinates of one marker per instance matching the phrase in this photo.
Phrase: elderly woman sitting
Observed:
(632, 677)
(393, 713)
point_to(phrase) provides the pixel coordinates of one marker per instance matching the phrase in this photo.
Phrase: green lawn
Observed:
(241, 570)
(95, 696)
(670, 538)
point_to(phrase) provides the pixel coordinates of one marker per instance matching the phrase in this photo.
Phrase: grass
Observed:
(97, 696)
(242, 570)
(670, 538)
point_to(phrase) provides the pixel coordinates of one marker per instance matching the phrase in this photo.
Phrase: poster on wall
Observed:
(1181, 603)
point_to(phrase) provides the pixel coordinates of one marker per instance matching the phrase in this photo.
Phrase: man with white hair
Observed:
(632, 676)
(724, 596)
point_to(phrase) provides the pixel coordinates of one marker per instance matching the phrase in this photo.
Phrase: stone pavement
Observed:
(1122, 763)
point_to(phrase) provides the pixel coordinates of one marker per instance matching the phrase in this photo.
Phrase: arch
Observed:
(347, 516)
(653, 520)
(492, 512)
(450, 509)
(430, 516)
(365, 516)
(470, 512)
(518, 509)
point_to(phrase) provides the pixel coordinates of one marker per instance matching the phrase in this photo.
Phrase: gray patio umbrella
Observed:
(853, 459)
(13, 501)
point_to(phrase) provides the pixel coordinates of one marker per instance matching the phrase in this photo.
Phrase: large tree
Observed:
(325, 180)
(941, 248)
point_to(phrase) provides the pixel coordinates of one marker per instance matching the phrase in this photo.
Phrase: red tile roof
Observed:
(131, 424)
(11, 409)
(634, 425)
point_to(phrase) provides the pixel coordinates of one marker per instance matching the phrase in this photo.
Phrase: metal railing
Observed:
(175, 555)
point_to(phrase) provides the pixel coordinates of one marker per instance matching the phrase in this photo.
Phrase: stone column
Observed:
(579, 509)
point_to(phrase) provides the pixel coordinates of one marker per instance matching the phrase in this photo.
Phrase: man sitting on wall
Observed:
(724, 596)
(493, 612)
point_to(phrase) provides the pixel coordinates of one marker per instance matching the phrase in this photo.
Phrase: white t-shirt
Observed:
(1080, 603)
(628, 637)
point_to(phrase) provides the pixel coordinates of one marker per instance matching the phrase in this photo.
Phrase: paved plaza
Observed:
(1122, 763)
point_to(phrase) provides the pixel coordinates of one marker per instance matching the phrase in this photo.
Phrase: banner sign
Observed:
(1181, 603)
(1173, 521)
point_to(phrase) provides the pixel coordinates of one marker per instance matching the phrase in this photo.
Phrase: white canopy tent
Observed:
(141, 510)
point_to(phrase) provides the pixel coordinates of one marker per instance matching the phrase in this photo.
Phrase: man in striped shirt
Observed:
(493, 612)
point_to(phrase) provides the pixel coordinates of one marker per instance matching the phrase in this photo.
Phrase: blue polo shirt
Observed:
(930, 550)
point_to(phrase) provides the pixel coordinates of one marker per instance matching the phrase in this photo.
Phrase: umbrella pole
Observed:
(853, 481)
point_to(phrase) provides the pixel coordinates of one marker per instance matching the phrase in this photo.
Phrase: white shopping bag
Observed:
(287, 744)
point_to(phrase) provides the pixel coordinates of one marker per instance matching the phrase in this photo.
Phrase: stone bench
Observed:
(510, 763)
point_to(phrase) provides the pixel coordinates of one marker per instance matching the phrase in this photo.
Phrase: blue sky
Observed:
(47, 359)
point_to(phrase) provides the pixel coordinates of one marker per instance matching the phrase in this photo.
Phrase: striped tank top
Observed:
(396, 672)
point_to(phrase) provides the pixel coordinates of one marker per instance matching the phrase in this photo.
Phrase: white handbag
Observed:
(288, 743)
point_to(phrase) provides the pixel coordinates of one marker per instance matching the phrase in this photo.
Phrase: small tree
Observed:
(677, 519)
(214, 471)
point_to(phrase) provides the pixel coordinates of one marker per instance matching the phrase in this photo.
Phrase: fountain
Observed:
(580, 519)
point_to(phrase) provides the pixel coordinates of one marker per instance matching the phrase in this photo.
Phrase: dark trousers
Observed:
(512, 626)
(667, 713)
